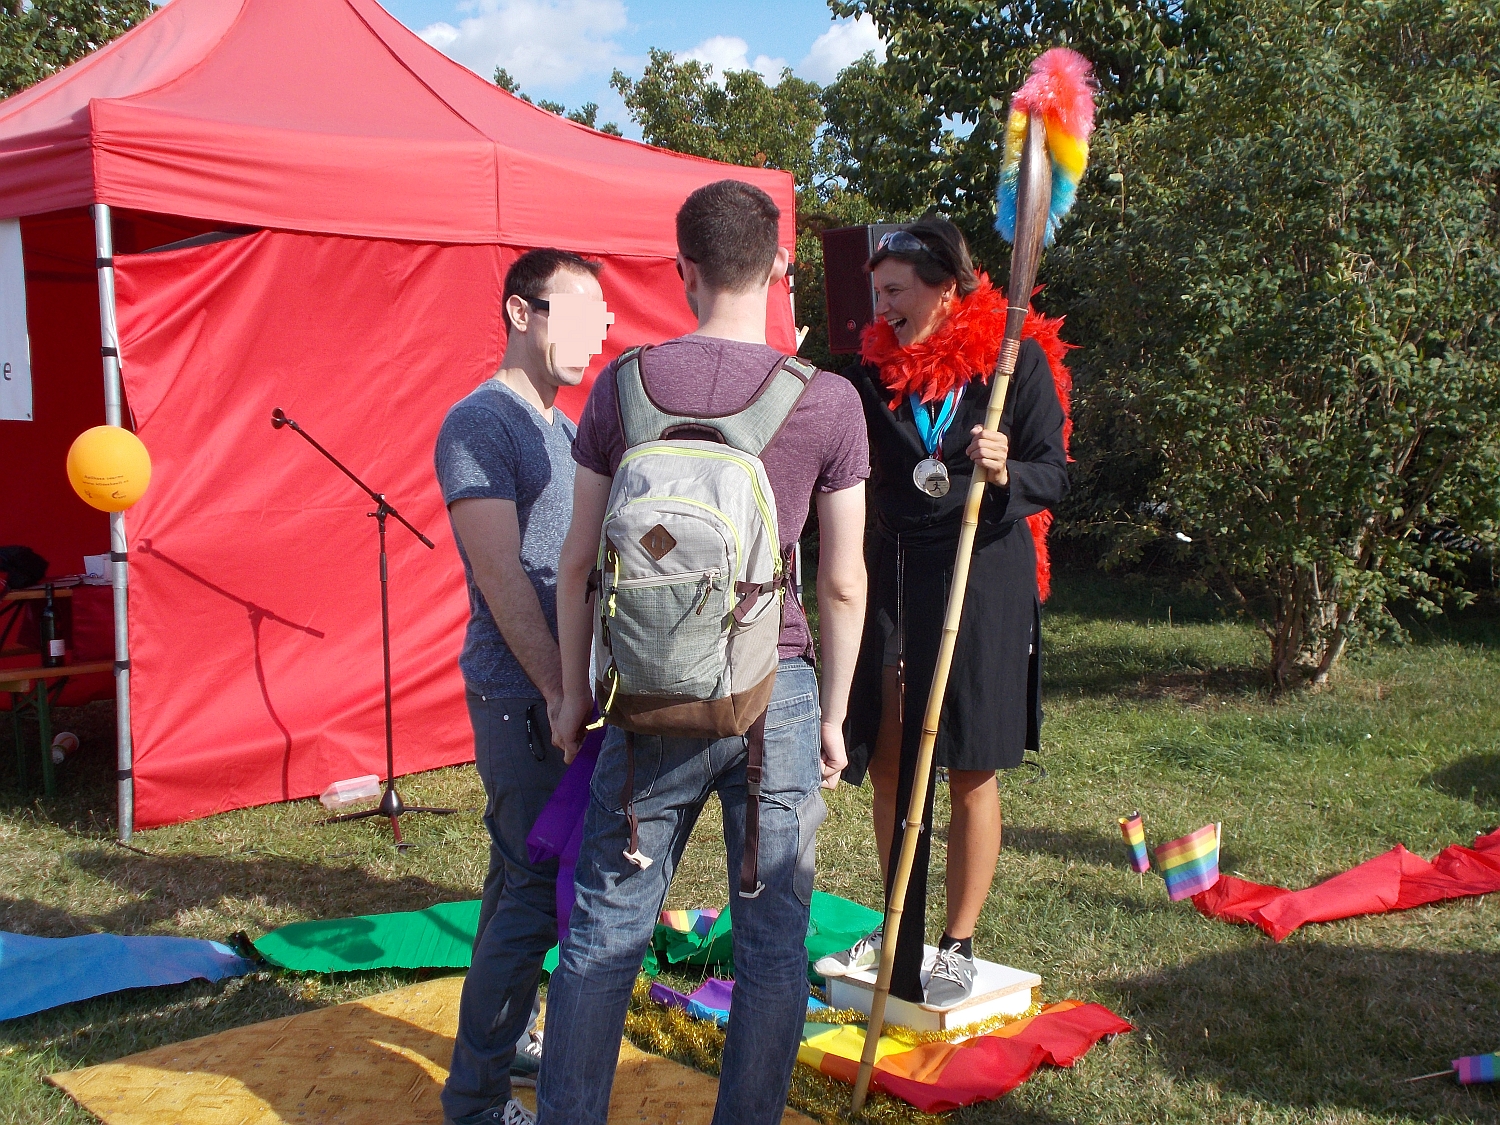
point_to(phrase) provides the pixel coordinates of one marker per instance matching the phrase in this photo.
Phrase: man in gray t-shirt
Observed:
(504, 461)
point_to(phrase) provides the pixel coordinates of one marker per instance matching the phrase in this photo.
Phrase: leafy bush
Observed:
(1295, 280)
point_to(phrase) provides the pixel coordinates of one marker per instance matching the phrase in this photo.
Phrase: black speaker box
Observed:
(851, 296)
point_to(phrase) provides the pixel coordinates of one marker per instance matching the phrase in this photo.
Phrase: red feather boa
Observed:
(965, 347)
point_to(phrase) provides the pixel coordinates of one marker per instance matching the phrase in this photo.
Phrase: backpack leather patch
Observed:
(658, 542)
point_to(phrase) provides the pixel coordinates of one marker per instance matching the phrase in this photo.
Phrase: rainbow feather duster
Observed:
(1061, 89)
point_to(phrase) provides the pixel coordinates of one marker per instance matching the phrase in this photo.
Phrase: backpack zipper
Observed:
(766, 514)
(697, 577)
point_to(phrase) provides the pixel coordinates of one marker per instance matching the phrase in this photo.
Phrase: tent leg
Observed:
(104, 248)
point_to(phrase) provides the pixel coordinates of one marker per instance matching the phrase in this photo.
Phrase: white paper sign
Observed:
(15, 349)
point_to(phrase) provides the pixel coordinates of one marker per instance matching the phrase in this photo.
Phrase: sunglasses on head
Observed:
(902, 242)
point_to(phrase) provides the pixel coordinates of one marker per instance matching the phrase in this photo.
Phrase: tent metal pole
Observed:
(109, 337)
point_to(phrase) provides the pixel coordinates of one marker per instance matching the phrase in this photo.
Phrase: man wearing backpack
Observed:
(726, 405)
(503, 461)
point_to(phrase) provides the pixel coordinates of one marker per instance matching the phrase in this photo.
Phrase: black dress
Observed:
(992, 709)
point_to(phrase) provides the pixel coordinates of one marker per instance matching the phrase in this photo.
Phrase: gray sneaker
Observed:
(527, 1063)
(864, 954)
(511, 1113)
(951, 980)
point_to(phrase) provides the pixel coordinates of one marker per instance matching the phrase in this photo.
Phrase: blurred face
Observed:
(570, 331)
(912, 308)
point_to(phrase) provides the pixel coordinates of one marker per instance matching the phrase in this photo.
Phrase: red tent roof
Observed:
(330, 116)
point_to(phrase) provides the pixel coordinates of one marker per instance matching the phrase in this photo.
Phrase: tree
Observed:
(1299, 278)
(883, 139)
(585, 114)
(504, 80)
(746, 121)
(40, 37)
(679, 106)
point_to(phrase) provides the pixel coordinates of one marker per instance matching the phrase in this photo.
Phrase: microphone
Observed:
(278, 419)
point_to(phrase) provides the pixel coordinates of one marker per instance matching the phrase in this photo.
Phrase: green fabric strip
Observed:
(442, 937)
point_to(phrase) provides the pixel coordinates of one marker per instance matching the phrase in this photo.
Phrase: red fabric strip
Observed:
(991, 1066)
(1397, 880)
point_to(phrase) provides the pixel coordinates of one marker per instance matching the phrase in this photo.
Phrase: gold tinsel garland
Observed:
(669, 1031)
(915, 1038)
(666, 1030)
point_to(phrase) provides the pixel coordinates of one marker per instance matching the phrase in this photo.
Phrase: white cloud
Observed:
(547, 43)
(726, 53)
(843, 43)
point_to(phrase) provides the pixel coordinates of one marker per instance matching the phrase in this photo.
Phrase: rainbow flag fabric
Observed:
(934, 1077)
(1134, 831)
(690, 921)
(1474, 1069)
(1190, 864)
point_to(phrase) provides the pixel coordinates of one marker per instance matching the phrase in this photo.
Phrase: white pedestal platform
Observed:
(998, 990)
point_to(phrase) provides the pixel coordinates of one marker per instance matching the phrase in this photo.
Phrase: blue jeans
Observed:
(617, 906)
(518, 914)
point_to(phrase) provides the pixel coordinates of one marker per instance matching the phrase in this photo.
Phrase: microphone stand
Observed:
(391, 806)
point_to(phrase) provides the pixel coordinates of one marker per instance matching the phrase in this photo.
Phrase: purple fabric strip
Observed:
(558, 831)
(714, 993)
(662, 994)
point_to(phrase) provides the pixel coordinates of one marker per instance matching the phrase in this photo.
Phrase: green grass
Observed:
(1173, 721)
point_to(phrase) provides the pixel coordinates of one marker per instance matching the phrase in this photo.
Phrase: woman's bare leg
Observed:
(973, 847)
(973, 832)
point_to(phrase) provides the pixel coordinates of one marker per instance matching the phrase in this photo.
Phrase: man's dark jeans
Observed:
(518, 917)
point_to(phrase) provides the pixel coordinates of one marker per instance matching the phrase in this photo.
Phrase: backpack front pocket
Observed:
(689, 608)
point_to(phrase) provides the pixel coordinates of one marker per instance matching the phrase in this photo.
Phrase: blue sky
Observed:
(565, 50)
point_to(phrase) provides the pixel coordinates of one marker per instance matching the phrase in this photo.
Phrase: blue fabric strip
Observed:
(39, 973)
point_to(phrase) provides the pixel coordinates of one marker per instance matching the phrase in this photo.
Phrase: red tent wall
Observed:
(254, 613)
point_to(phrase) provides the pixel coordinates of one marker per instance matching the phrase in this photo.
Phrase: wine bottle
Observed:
(53, 646)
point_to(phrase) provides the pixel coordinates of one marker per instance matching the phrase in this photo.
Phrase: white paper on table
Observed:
(15, 346)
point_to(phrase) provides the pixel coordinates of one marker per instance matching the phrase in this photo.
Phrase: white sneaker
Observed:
(527, 1064)
(514, 1113)
(864, 954)
(950, 982)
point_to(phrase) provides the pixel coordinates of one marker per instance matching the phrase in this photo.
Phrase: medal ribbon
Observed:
(930, 430)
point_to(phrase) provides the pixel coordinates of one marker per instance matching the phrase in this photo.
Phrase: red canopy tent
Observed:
(299, 204)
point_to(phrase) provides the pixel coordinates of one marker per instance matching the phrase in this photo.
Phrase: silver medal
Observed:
(931, 477)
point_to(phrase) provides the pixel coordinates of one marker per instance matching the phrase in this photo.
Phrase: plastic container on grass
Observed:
(64, 746)
(341, 794)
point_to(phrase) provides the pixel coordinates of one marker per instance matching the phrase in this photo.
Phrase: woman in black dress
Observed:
(924, 382)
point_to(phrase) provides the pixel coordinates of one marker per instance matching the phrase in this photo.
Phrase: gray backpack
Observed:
(690, 575)
(690, 567)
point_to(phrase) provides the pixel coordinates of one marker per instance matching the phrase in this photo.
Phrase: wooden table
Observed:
(11, 610)
(33, 682)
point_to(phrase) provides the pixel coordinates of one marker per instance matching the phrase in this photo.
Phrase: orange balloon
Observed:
(109, 468)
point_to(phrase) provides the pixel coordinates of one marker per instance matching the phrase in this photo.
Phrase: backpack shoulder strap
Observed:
(749, 430)
(752, 428)
(641, 420)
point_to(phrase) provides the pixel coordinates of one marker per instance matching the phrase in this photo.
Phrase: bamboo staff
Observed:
(1032, 206)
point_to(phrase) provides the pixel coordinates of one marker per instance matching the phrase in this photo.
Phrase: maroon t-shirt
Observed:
(823, 445)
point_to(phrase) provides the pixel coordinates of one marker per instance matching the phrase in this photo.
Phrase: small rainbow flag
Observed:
(1134, 832)
(690, 921)
(1475, 1069)
(1190, 863)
